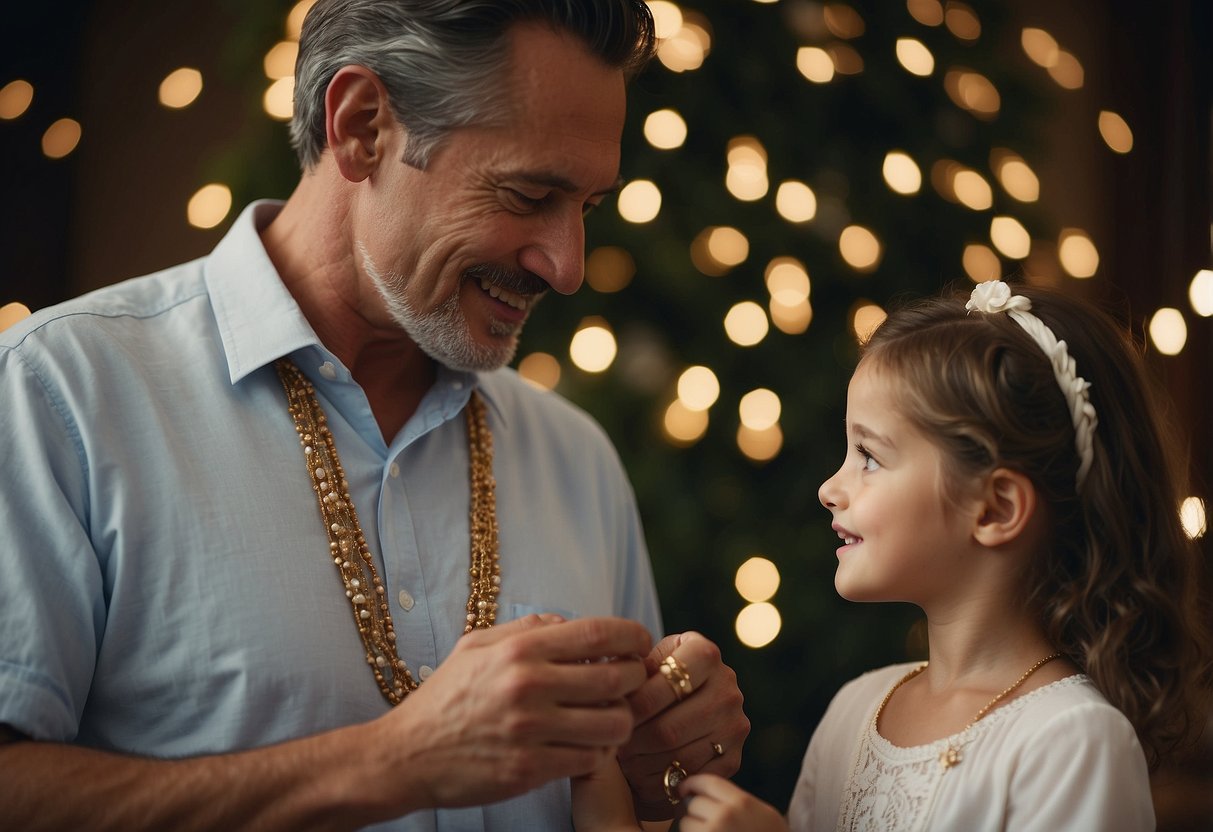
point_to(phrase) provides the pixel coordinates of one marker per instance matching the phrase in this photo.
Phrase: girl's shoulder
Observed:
(1071, 703)
(864, 692)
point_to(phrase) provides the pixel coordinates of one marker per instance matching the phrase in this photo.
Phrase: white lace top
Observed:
(1058, 758)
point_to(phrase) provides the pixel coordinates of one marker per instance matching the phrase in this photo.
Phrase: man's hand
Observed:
(514, 707)
(703, 731)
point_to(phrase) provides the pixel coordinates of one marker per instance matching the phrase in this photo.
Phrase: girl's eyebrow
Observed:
(868, 434)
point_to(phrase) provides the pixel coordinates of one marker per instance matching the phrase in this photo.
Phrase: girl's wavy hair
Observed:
(442, 61)
(1120, 588)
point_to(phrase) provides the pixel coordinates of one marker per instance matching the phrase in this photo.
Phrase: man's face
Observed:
(460, 252)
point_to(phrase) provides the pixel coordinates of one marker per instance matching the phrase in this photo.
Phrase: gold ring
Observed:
(718, 749)
(674, 774)
(676, 673)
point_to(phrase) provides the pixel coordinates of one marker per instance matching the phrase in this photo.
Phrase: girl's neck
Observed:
(982, 648)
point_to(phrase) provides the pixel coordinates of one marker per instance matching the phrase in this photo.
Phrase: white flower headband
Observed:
(995, 296)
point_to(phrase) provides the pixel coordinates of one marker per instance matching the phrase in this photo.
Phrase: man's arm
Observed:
(510, 709)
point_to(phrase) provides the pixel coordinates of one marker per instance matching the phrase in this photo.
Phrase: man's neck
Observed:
(314, 257)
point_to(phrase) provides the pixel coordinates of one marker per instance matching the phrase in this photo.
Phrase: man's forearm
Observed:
(310, 783)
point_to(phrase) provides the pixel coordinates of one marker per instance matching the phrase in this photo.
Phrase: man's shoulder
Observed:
(108, 308)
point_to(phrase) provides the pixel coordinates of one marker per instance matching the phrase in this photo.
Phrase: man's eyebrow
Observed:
(553, 180)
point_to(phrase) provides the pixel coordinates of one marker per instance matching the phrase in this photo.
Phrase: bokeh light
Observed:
(61, 138)
(593, 347)
(1200, 293)
(1192, 516)
(757, 579)
(757, 625)
(683, 426)
(1067, 71)
(926, 12)
(180, 88)
(279, 62)
(815, 64)
(1013, 173)
(1040, 47)
(865, 318)
(15, 98)
(915, 57)
(540, 369)
(972, 190)
(860, 248)
(1115, 131)
(639, 201)
(795, 201)
(279, 99)
(698, 388)
(1077, 253)
(746, 323)
(759, 409)
(981, 263)
(609, 269)
(1168, 331)
(962, 21)
(11, 313)
(760, 445)
(665, 129)
(1010, 237)
(294, 20)
(209, 205)
(901, 173)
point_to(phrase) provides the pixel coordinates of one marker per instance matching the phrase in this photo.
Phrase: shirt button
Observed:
(328, 370)
(394, 470)
(406, 600)
(424, 671)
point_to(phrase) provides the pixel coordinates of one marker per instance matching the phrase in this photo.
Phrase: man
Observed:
(188, 459)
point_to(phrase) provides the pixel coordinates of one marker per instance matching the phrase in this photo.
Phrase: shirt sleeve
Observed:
(1100, 782)
(51, 590)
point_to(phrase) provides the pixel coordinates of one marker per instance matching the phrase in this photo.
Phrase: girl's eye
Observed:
(869, 462)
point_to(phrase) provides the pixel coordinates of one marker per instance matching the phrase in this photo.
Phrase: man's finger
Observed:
(586, 639)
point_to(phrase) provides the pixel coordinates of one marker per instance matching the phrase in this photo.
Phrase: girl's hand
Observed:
(713, 804)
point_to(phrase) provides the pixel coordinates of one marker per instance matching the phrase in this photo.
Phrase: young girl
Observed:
(1006, 472)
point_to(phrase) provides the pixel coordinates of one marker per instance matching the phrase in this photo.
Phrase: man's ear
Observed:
(359, 121)
(1009, 504)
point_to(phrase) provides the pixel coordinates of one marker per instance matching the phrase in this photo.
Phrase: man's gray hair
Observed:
(442, 60)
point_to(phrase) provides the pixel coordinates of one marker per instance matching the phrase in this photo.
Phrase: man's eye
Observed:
(521, 201)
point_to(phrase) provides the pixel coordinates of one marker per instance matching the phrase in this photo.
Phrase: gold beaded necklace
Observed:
(347, 545)
(951, 755)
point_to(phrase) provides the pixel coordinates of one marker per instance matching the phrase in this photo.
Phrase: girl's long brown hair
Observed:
(1120, 590)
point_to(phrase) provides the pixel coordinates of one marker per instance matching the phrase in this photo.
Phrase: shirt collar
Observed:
(259, 321)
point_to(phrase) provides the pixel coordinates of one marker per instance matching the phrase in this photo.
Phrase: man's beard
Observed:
(443, 334)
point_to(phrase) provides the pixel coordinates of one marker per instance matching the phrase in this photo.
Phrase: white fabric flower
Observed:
(995, 296)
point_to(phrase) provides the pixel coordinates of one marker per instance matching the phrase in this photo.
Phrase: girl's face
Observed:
(903, 539)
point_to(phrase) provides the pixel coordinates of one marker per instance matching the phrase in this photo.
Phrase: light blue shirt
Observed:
(165, 584)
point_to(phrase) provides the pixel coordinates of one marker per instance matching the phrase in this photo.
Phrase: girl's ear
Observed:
(1009, 503)
(359, 121)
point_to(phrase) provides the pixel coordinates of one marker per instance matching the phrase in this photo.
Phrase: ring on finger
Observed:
(674, 774)
(679, 677)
